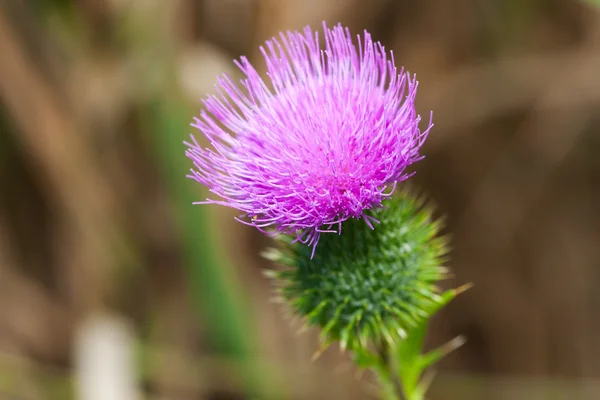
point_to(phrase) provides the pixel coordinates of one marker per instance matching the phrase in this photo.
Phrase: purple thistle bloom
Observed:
(327, 137)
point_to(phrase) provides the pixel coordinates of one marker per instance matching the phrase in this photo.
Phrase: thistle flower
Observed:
(367, 286)
(324, 139)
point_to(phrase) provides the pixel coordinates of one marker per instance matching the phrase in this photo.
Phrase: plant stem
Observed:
(389, 373)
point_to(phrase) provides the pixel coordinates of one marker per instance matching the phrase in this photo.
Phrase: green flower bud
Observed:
(367, 285)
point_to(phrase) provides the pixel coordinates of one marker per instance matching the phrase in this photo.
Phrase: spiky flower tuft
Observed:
(367, 286)
(324, 139)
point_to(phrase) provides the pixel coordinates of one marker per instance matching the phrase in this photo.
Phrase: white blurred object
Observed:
(104, 360)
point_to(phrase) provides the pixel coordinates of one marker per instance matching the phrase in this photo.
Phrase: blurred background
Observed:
(105, 262)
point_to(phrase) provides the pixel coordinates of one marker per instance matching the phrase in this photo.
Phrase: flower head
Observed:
(324, 139)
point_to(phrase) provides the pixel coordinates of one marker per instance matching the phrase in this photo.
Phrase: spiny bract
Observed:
(324, 139)
(367, 286)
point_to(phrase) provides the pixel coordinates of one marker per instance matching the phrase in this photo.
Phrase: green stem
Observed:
(214, 290)
(387, 373)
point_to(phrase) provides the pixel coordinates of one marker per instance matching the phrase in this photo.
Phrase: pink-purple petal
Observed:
(324, 138)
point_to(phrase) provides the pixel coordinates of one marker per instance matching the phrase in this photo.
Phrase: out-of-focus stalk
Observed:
(213, 289)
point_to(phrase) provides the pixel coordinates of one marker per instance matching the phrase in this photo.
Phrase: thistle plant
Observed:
(312, 156)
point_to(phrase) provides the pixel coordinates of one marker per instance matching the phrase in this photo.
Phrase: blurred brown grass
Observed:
(85, 222)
